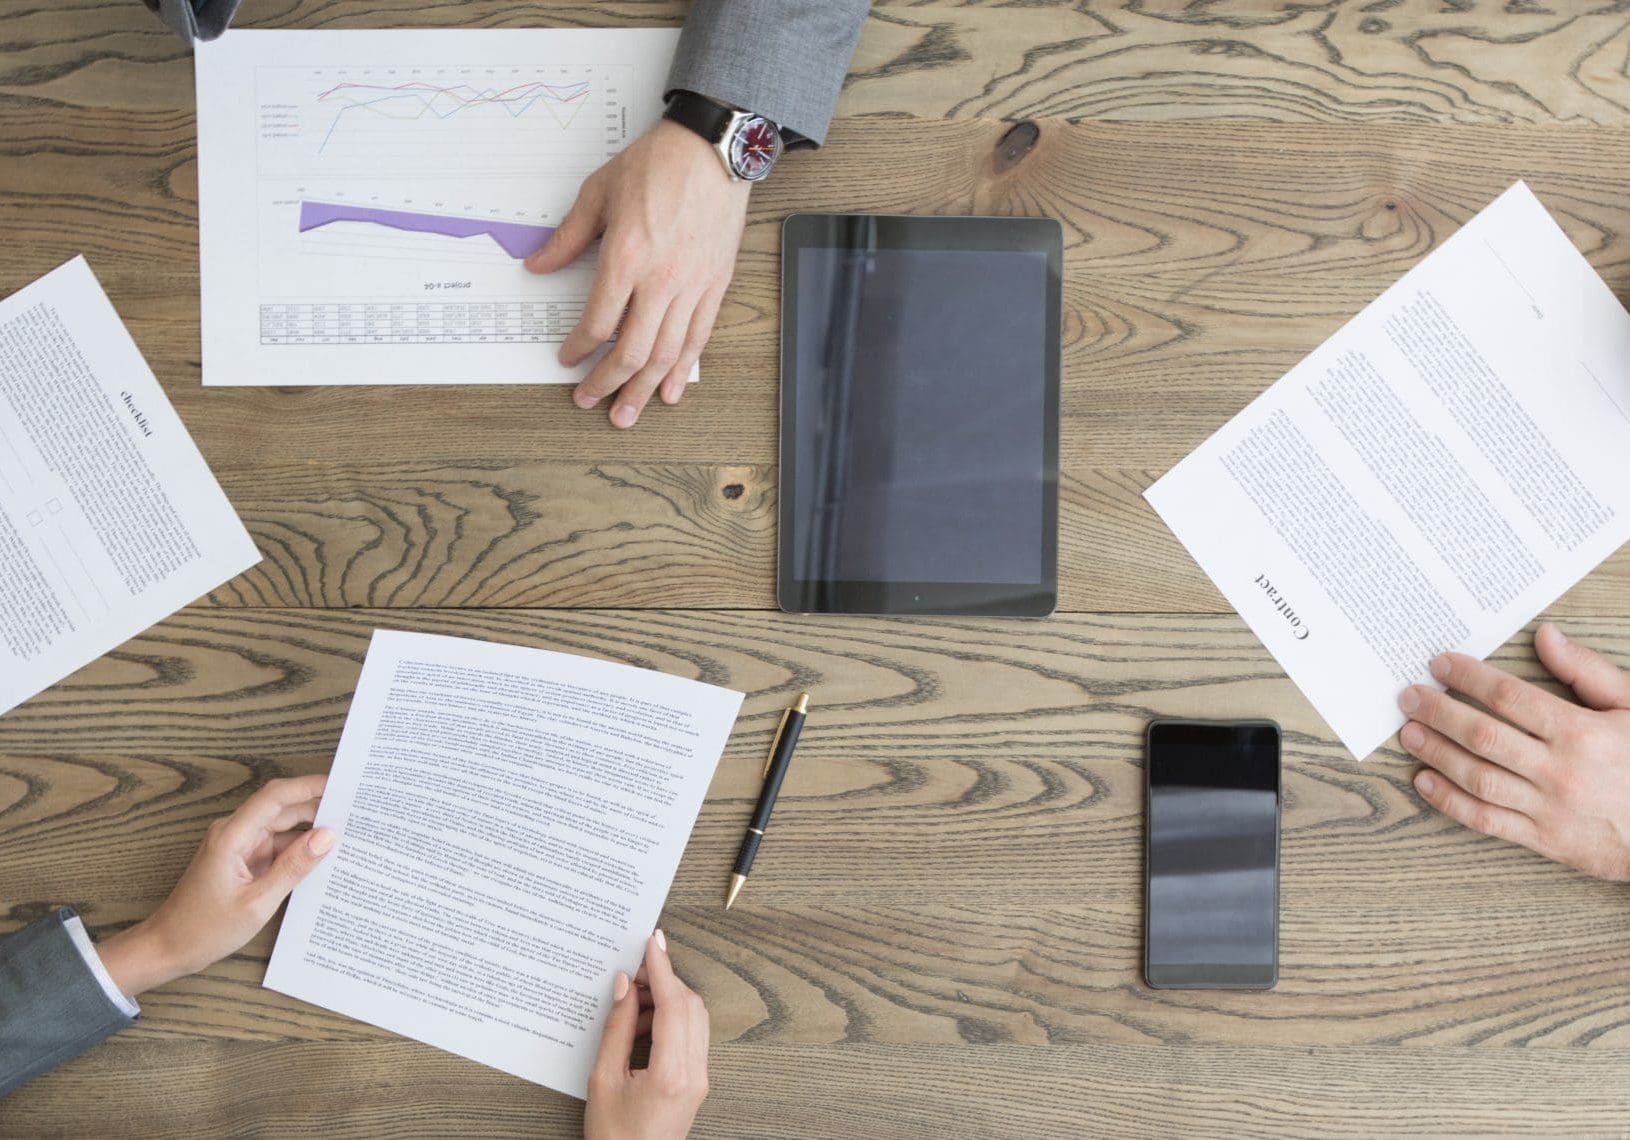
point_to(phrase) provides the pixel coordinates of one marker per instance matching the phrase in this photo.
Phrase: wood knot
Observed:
(733, 490)
(1019, 141)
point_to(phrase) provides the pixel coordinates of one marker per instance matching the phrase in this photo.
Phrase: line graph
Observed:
(446, 121)
(416, 99)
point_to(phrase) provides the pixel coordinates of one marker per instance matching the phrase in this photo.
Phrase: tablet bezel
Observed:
(896, 231)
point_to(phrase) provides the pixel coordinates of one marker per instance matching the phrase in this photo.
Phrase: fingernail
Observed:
(1412, 737)
(1556, 631)
(662, 940)
(584, 400)
(321, 841)
(1440, 668)
(624, 416)
(620, 989)
(1426, 782)
(1409, 700)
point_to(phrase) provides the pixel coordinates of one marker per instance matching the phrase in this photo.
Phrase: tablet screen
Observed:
(921, 415)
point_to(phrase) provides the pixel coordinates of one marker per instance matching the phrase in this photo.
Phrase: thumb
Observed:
(617, 1042)
(1596, 680)
(575, 233)
(297, 861)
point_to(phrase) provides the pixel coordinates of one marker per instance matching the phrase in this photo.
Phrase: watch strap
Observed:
(706, 117)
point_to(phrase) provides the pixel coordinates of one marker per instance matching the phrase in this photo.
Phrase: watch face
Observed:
(754, 148)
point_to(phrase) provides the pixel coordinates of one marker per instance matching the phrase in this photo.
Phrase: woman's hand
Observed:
(1542, 772)
(246, 867)
(660, 1101)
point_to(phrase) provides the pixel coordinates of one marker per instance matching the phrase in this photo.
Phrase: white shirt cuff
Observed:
(87, 950)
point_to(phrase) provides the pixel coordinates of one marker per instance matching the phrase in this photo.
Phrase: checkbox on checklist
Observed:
(35, 518)
(54, 506)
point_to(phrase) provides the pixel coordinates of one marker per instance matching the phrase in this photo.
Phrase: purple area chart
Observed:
(518, 239)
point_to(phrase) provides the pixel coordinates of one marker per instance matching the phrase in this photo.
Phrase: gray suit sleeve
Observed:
(784, 59)
(53, 1006)
(195, 19)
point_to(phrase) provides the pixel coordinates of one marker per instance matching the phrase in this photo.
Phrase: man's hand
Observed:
(660, 1101)
(672, 220)
(1545, 773)
(246, 867)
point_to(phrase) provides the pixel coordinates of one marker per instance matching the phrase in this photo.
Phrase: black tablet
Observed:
(919, 415)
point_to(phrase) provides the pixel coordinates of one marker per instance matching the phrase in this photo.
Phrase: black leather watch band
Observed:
(699, 113)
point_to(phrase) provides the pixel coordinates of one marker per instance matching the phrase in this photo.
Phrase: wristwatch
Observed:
(748, 144)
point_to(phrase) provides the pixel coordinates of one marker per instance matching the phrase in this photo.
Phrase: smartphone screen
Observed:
(1212, 869)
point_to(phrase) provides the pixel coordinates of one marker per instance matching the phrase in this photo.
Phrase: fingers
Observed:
(296, 862)
(627, 356)
(1527, 706)
(275, 800)
(1484, 781)
(603, 311)
(636, 393)
(701, 327)
(1596, 680)
(1480, 734)
(293, 816)
(617, 1042)
(1464, 808)
(679, 1022)
(666, 988)
(576, 232)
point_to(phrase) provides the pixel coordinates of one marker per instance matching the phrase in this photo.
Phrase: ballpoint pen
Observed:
(775, 769)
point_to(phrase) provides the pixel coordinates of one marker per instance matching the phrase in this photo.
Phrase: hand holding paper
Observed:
(245, 868)
(660, 1101)
(510, 821)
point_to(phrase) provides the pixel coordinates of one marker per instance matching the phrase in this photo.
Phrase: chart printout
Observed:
(367, 198)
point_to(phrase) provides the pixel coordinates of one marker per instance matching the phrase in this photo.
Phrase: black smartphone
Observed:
(1211, 855)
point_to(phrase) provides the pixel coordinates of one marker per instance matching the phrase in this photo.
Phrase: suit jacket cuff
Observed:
(93, 962)
(783, 59)
(195, 19)
(53, 1007)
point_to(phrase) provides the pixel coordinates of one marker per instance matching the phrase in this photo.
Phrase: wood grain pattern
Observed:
(944, 937)
(651, 535)
(1326, 62)
(776, 1092)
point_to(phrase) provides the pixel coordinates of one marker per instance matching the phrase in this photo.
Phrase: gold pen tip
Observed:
(737, 882)
(802, 704)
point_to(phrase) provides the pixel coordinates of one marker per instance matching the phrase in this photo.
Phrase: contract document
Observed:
(509, 823)
(366, 199)
(1430, 478)
(109, 518)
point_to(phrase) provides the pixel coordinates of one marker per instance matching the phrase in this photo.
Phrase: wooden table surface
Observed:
(944, 937)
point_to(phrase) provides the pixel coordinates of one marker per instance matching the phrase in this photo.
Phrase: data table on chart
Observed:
(368, 196)
(511, 321)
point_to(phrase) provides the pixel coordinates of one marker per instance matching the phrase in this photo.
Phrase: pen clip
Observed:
(775, 742)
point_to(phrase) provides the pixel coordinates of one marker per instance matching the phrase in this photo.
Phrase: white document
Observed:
(509, 823)
(366, 198)
(109, 519)
(1430, 478)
